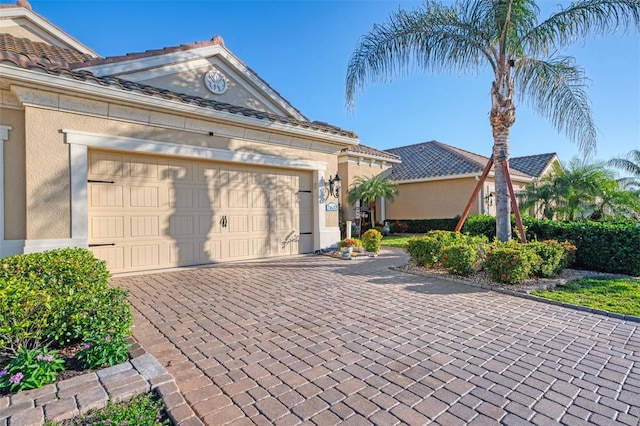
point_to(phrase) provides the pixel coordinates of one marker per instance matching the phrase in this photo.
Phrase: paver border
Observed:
(524, 295)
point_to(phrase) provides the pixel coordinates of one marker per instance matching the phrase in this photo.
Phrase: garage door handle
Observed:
(223, 221)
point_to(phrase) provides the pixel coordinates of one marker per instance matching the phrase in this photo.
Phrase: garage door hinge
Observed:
(100, 181)
(306, 233)
(308, 192)
(102, 245)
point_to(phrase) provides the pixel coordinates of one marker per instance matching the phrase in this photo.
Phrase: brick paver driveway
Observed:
(324, 341)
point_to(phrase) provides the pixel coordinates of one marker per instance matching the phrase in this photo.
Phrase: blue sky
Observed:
(302, 48)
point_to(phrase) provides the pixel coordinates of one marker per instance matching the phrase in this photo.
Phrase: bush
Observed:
(61, 296)
(552, 257)
(459, 258)
(422, 226)
(398, 227)
(30, 369)
(348, 242)
(510, 262)
(372, 240)
(423, 251)
(600, 246)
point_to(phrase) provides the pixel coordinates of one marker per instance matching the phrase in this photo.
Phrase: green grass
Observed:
(397, 241)
(621, 296)
(142, 410)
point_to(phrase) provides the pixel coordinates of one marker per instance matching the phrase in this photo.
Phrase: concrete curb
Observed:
(525, 295)
(69, 398)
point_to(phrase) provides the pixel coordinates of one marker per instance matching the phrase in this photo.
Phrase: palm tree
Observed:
(506, 36)
(368, 189)
(629, 163)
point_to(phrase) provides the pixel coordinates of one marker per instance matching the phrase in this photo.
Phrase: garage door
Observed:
(148, 212)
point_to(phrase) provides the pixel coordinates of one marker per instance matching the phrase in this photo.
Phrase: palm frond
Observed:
(556, 89)
(431, 38)
(629, 163)
(579, 21)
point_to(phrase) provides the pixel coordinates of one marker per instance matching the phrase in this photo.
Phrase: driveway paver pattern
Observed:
(319, 340)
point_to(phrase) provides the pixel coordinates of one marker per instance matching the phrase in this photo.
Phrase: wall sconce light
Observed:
(334, 185)
(489, 199)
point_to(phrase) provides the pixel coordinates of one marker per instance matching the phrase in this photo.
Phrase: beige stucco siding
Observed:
(432, 199)
(14, 175)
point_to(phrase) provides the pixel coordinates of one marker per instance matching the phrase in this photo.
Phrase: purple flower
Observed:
(88, 345)
(16, 378)
(39, 357)
(48, 358)
(3, 372)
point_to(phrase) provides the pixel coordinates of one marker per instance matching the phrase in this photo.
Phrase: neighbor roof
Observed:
(436, 159)
(52, 60)
(367, 151)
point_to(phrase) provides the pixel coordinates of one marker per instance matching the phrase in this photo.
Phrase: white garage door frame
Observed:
(80, 142)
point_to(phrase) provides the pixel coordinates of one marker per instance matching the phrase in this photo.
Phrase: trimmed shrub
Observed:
(422, 226)
(61, 296)
(398, 227)
(372, 240)
(423, 251)
(510, 262)
(459, 258)
(552, 257)
(600, 246)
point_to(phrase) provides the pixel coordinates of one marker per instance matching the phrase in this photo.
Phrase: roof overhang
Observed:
(41, 81)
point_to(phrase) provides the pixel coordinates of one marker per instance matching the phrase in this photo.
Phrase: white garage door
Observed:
(148, 212)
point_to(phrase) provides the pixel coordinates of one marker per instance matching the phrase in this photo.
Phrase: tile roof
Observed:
(436, 159)
(370, 152)
(54, 61)
(8, 43)
(533, 165)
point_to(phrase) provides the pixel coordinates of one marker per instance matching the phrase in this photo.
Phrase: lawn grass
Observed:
(621, 295)
(397, 241)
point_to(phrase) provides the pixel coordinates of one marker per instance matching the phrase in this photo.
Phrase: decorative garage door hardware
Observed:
(100, 181)
(102, 245)
(224, 222)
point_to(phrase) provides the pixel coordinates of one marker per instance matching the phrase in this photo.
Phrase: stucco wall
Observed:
(14, 175)
(432, 199)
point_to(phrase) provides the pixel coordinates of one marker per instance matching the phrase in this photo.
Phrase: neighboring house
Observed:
(169, 157)
(436, 180)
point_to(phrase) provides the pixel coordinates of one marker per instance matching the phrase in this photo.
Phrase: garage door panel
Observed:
(237, 199)
(144, 196)
(261, 223)
(181, 226)
(145, 256)
(144, 168)
(106, 165)
(145, 226)
(211, 251)
(109, 227)
(182, 253)
(239, 248)
(208, 225)
(106, 195)
(181, 197)
(238, 223)
(181, 170)
(208, 198)
(114, 256)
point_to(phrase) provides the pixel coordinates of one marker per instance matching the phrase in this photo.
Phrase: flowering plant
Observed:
(31, 369)
(348, 242)
(103, 350)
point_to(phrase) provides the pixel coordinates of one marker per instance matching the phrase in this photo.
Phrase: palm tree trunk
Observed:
(502, 118)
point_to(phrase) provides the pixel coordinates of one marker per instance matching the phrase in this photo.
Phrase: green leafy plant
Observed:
(399, 227)
(510, 262)
(372, 240)
(31, 369)
(142, 410)
(459, 258)
(103, 350)
(58, 296)
(423, 251)
(552, 257)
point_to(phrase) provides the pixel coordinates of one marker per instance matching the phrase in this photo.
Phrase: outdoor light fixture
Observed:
(334, 185)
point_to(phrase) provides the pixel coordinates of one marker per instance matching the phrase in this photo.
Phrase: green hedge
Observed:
(600, 246)
(57, 297)
(423, 226)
